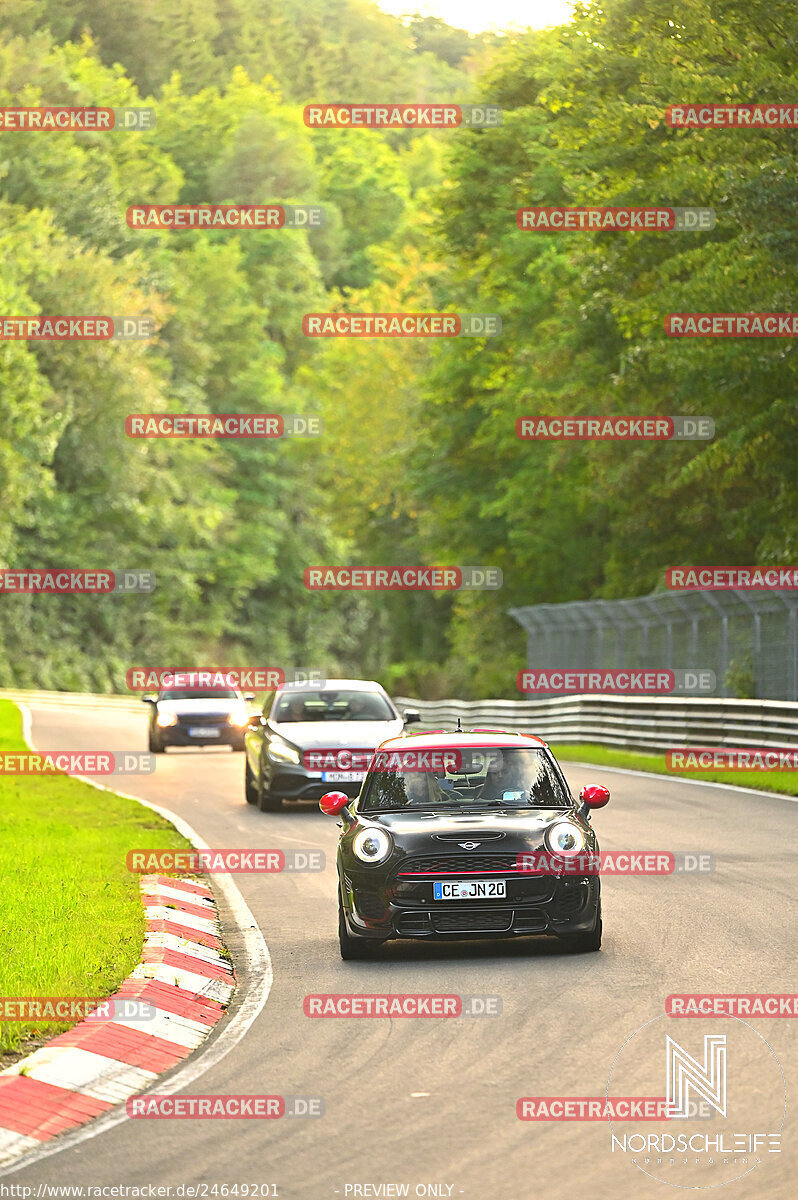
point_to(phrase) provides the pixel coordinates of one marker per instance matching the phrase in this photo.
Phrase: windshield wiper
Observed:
(400, 808)
(477, 803)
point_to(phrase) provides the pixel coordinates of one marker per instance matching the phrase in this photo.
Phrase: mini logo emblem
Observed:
(470, 845)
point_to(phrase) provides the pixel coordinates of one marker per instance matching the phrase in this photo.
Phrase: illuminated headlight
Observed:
(280, 751)
(372, 845)
(564, 837)
(238, 717)
(165, 718)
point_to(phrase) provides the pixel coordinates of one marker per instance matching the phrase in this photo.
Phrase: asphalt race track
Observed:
(433, 1102)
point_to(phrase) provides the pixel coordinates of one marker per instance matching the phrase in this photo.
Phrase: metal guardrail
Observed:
(639, 723)
(71, 699)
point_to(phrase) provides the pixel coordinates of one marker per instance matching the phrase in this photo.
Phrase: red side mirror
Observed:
(332, 803)
(595, 795)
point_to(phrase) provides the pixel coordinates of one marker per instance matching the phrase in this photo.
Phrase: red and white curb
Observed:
(79, 1075)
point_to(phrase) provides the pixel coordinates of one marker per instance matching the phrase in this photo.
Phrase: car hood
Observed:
(336, 735)
(500, 832)
(494, 825)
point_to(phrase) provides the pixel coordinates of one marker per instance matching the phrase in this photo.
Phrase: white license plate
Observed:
(343, 776)
(470, 889)
(203, 731)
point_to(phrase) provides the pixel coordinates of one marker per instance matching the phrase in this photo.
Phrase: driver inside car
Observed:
(361, 709)
(292, 709)
(507, 780)
(422, 789)
(511, 781)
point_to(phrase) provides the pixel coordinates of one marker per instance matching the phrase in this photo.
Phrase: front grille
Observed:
(530, 920)
(460, 864)
(202, 719)
(410, 923)
(475, 921)
(482, 836)
(479, 921)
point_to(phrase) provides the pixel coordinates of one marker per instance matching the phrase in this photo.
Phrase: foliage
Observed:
(420, 462)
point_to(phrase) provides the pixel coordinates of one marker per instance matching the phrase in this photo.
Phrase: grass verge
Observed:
(73, 922)
(602, 756)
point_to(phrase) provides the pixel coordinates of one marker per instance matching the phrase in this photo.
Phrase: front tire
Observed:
(250, 787)
(352, 948)
(154, 743)
(267, 801)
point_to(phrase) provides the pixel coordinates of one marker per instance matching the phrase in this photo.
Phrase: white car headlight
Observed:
(372, 845)
(565, 837)
(238, 717)
(280, 751)
(166, 718)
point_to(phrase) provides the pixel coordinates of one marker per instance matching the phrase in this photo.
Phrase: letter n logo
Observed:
(685, 1072)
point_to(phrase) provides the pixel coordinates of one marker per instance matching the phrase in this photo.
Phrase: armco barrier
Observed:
(642, 723)
(72, 699)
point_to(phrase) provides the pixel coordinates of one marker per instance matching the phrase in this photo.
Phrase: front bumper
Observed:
(533, 905)
(178, 735)
(295, 783)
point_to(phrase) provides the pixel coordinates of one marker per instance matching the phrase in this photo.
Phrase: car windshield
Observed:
(473, 778)
(343, 705)
(199, 694)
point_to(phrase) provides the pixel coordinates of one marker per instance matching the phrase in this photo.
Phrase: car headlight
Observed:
(238, 717)
(280, 751)
(166, 718)
(565, 837)
(372, 845)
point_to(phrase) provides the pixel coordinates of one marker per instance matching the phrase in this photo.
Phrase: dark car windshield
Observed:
(199, 694)
(485, 777)
(343, 705)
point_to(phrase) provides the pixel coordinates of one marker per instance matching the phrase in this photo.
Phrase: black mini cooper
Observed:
(466, 835)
